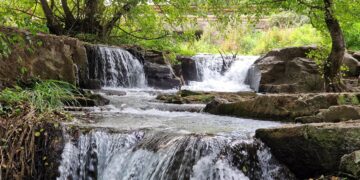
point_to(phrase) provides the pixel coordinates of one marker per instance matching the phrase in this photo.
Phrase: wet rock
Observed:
(92, 84)
(314, 149)
(161, 76)
(113, 92)
(283, 107)
(87, 100)
(350, 165)
(286, 70)
(188, 67)
(353, 65)
(333, 114)
(214, 103)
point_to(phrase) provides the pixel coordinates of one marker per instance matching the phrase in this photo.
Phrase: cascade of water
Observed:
(165, 155)
(115, 67)
(221, 73)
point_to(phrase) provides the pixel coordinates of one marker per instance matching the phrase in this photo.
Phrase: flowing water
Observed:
(138, 138)
(221, 73)
(115, 67)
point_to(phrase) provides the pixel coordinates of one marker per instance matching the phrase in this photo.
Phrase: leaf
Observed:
(37, 134)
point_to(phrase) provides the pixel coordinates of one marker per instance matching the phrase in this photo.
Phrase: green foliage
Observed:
(352, 36)
(5, 49)
(43, 96)
(344, 99)
(248, 40)
(319, 56)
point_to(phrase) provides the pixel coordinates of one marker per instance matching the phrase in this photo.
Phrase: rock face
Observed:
(283, 107)
(350, 165)
(158, 70)
(314, 149)
(43, 55)
(285, 70)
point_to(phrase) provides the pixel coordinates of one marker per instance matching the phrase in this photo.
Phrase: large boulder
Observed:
(282, 107)
(314, 149)
(356, 55)
(285, 70)
(352, 64)
(158, 70)
(43, 55)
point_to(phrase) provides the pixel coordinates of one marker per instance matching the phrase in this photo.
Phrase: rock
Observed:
(350, 165)
(87, 100)
(333, 114)
(188, 67)
(353, 65)
(91, 84)
(283, 107)
(314, 149)
(113, 92)
(178, 72)
(161, 76)
(47, 57)
(214, 103)
(286, 70)
(198, 97)
(356, 55)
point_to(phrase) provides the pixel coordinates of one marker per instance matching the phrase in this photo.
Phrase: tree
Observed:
(325, 15)
(84, 16)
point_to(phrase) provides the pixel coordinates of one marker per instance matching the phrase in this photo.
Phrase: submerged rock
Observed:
(350, 165)
(314, 149)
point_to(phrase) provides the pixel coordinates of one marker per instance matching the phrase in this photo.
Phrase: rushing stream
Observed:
(137, 137)
(221, 73)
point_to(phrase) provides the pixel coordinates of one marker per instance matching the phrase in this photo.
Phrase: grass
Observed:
(43, 96)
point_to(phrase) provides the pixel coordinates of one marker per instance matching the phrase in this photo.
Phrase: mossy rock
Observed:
(314, 149)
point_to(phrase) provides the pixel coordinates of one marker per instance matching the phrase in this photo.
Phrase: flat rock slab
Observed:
(313, 149)
(282, 107)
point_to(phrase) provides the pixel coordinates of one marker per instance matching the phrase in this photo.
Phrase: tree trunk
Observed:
(332, 74)
(52, 23)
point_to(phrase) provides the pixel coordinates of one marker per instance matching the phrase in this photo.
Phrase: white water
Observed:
(217, 77)
(154, 142)
(116, 67)
(139, 138)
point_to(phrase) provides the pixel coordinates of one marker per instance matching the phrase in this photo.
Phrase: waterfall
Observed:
(221, 73)
(115, 67)
(163, 155)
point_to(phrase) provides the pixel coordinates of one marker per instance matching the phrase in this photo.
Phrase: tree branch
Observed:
(144, 38)
(309, 5)
(68, 15)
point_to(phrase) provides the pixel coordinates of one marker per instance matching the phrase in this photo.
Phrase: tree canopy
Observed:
(157, 19)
